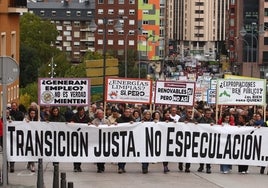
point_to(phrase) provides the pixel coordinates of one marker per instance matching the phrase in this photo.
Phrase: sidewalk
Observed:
(23, 178)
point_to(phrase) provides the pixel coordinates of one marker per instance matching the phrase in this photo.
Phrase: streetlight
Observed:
(52, 66)
(93, 27)
(243, 33)
(247, 46)
(126, 42)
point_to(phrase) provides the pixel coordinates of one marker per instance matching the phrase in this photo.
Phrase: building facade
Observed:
(10, 11)
(72, 19)
(198, 26)
(247, 37)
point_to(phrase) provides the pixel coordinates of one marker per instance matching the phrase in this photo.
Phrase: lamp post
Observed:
(93, 27)
(52, 66)
(247, 47)
(126, 42)
(243, 33)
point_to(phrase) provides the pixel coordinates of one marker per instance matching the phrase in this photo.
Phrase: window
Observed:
(145, 22)
(145, 11)
(68, 13)
(76, 43)
(76, 34)
(89, 13)
(101, 1)
(199, 3)
(110, 31)
(121, 1)
(121, 11)
(3, 44)
(100, 11)
(120, 42)
(76, 24)
(131, 42)
(78, 13)
(131, 32)
(66, 33)
(131, 22)
(110, 42)
(100, 31)
(110, 1)
(131, 12)
(199, 11)
(132, 2)
(53, 13)
(145, 1)
(42, 13)
(110, 11)
(265, 40)
(110, 22)
(13, 44)
(100, 41)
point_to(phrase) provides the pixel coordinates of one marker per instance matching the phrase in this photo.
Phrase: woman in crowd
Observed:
(32, 116)
(225, 120)
(147, 116)
(166, 118)
(55, 115)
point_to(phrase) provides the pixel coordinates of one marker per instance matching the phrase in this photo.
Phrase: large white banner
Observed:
(241, 92)
(137, 142)
(128, 90)
(64, 91)
(177, 93)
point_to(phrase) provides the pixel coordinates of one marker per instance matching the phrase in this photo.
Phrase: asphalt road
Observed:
(22, 178)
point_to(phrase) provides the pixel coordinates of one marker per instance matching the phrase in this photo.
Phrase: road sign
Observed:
(9, 70)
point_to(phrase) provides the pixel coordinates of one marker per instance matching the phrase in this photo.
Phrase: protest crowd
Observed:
(114, 114)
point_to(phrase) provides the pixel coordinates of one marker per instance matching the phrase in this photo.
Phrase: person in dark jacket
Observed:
(206, 118)
(124, 118)
(79, 117)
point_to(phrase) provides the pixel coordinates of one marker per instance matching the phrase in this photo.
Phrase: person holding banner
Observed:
(173, 114)
(32, 116)
(189, 117)
(55, 116)
(80, 117)
(242, 121)
(124, 118)
(113, 117)
(166, 118)
(100, 120)
(226, 120)
(206, 118)
(147, 116)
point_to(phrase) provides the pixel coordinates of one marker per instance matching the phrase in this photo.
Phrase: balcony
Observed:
(17, 6)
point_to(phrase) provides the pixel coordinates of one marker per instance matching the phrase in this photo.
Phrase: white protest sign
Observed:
(241, 92)
(137, 142)
(178, 93)
(128, 90)
(64, 91)
(211, 96)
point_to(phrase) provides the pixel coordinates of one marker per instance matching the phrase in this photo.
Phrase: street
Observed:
(133, 177)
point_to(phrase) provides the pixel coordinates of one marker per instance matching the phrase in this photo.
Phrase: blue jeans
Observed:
(225, 168)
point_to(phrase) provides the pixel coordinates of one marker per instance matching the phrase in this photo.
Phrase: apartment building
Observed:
(72, 19)
(140, 20)
(197, 26)
(247, 37)
(10, 11)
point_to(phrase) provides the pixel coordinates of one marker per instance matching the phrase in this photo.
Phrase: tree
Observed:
(29, 64)
(36, 36)
(132, 66)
